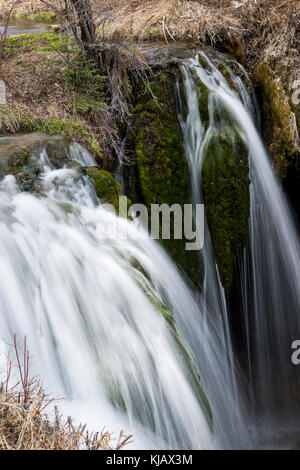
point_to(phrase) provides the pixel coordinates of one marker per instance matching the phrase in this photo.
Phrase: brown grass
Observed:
(263, 27)
(24, 424)
(36, 91)
(26, 8)
(266, 27)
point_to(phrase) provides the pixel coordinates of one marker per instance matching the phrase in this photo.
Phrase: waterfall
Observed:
(269, 266)
(110, 322)
(96, 313)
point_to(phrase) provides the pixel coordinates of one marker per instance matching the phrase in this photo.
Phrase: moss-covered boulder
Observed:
(13, 160)
(73, 130)
(20, 157)
(18, 162)
(162, 173)
(28, 181)
(58, 151)
(107, 189)
(225, 188)
(281, 131)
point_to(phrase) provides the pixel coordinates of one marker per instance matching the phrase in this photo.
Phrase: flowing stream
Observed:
(112, 326)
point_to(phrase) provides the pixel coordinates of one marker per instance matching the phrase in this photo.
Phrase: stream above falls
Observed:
(22, 26)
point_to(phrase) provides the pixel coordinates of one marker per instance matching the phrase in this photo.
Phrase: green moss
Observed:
(202, 97)
(282, 139)
(107, 189)
(163, 173)
(70, 129)
(225, 187)
(13, 161)
(225, 72)
(12, 121)
(41, 42)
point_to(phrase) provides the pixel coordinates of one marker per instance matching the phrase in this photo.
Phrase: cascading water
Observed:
(94, 311)
(99, 311)
(269, 268)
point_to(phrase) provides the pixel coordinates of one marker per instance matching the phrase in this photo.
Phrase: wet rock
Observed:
(225, 187)
(107, 189)
(161, 173)
(28, 182)
(280, 130)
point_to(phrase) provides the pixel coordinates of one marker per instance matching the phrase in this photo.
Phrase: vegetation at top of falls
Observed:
(106, 187)
(163, 173)
(284, 138)
(59, 94)
(38, 42)
(85, 84)
(16, 122)
(70, 129)
(225, 188)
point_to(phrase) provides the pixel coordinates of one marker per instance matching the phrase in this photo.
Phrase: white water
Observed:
(270, 268)
(93, 333)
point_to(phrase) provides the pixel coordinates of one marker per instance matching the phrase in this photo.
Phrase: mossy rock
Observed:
(55, 28)
(13, 161)
(73, 130)
(225, 188)
(18, 162)
(236, 46)
(162, 173)
(27, 181)
(107, 189)
(282, 136)
(58, 151)
(12, 121)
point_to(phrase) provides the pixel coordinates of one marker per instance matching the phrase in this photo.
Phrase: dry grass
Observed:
(24, 424)
(27, 428)
(167, 20)
(263, 27)
(36, 93)
(260, 30)
(26, 8)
